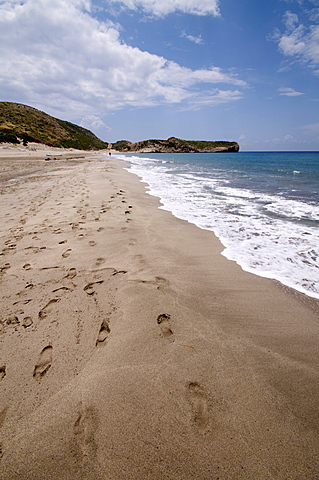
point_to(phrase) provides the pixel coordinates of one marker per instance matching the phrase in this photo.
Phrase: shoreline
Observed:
(131, 348)
(254, 249)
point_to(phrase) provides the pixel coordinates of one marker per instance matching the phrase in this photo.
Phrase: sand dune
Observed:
(131, 349)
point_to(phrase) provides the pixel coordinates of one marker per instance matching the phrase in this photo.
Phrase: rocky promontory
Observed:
(175, 145)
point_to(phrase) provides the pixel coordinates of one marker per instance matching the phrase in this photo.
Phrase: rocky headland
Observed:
(175, 145)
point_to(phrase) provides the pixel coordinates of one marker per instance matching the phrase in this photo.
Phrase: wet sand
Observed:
(130, 348)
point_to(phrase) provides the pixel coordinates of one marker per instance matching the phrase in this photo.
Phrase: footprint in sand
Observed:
(67, 253)
(27, 322)
(2, 372)
(164, 323)
(89, 288)
(199, 405)
(5, 267)
(12, 320)
(71, 273)
(103, 333)
(84, 430)
(61, 289)
(119, 272)
(161, 283)
(99, 261)
(3, 414)
(48, 308)
(104, 208)
(44, 363)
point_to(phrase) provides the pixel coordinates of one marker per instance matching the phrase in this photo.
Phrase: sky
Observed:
(245, 71)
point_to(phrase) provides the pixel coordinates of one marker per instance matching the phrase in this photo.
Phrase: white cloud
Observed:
(92, 122)
(211, 98)
(289, 92)
(56, 55)
(289, 138)
(290, 20)
(192, 38)
(300, 41)
(164, 7)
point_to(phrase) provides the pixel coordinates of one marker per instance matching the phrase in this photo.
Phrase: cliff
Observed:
(175, 145)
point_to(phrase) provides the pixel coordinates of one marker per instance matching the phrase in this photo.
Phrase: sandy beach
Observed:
(131, 349)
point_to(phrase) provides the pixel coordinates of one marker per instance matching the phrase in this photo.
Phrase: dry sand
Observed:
(131, 349)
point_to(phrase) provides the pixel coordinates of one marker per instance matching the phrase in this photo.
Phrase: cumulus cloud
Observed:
(164, 7)
(57, 55)
(300, 41)
(289, 92)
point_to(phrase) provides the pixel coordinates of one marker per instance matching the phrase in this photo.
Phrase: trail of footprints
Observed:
(11, 243)
(195, 393)
(86, 422)
(44, 361)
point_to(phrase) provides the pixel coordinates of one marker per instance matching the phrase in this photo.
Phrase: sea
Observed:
(263, 206)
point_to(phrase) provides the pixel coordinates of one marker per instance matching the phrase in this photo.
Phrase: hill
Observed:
(20, 122)
(176, 145)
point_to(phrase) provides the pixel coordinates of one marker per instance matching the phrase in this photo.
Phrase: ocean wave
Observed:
(266, 234)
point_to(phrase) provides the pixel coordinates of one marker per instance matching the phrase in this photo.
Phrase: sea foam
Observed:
(263, 230)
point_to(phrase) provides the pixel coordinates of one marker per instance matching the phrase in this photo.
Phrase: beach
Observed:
(131, 348)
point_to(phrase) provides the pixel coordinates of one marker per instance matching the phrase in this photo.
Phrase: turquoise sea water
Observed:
(264, 206)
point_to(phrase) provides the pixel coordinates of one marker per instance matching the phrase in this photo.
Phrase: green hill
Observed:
(21, 123)
(27, 124)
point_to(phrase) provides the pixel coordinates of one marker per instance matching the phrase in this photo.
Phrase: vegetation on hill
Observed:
(176, 145)
(20, 122)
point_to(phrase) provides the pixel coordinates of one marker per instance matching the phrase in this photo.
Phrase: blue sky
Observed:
(196, 69)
